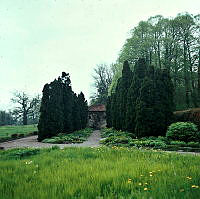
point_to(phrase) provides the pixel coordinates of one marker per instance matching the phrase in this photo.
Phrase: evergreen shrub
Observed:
(183, 131)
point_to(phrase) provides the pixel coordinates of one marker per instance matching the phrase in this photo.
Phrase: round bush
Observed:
(183, 131)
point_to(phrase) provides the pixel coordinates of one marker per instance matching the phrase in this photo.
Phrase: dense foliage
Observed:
(183, 131)
(171, 43)
(142, 102)
(62, 111)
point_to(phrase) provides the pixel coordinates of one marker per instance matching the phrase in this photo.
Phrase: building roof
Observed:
(97, 108)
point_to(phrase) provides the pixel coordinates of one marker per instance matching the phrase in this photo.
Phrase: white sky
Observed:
(41, 38)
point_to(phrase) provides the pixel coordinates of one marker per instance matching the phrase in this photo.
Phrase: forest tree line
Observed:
(166, 43)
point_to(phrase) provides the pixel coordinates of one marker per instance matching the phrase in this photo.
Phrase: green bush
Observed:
(183, 131)
(178, 143)
(14, 136)
(107, 132)
(115, 140)
(19, 153)
(193, 144)
(164, 139)
(148, 143)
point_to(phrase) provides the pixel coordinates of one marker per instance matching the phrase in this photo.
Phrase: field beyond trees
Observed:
(7, 131)
(97, 173)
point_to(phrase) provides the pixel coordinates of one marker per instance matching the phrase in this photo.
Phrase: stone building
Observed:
(97, 116)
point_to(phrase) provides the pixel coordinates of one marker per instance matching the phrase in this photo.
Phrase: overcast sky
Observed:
(41, 38)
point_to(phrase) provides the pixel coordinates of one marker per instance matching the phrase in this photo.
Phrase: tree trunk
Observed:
(24, 118)
(199, 77)
(187, 89)
(193, 90)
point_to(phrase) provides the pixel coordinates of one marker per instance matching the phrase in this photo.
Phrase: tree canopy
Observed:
(172, 44)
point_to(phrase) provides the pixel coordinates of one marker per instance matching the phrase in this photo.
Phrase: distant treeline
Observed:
(6, 118)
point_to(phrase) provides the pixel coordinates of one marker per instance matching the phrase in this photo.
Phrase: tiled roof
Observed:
(97, 108)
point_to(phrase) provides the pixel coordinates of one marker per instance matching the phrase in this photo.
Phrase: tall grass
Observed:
(99, 173)
(6, 131)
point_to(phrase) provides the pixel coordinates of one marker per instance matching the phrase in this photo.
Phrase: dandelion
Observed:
(150, 175)
(189, 178)
(145, 189)
(29, 162)
(129, 181)
(195, 186)
(150, 172)
(140, 184)
(146, 183)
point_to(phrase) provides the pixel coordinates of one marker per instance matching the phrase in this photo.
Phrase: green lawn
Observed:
(90, 173)
(6, 131)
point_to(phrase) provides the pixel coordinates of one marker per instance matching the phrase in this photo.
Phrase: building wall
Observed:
(96, 119)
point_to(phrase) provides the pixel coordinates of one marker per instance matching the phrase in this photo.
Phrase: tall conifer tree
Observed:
(83, 110)
(133, 93)
(61, 110)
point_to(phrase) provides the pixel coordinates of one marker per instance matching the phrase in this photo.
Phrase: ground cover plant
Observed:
(112, 137)
(98, 173)
(12, 132)
(75, 137)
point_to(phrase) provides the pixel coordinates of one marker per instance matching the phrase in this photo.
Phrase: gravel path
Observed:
(93, 141)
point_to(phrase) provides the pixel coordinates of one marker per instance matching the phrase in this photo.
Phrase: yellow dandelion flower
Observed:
(145, 189)
(150, 172)
(189, 178)
(150, 175)
(140, 184)
(195, 186)
(146, 183)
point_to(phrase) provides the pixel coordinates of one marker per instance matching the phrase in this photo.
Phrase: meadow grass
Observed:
(98, 173)
(6, 131)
